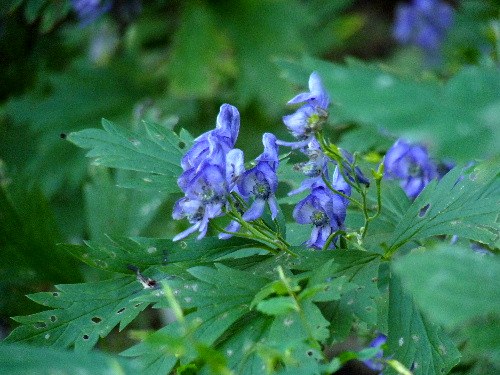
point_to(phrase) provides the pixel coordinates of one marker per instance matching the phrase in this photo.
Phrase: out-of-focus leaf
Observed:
(465, 111)
(452, 285)
(17, 359)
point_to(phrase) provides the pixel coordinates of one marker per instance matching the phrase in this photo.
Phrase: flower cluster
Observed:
(213, 169)
(411, 164)
(423, 23)
(215, 180)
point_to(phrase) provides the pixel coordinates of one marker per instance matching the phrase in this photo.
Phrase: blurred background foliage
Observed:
(173, 64)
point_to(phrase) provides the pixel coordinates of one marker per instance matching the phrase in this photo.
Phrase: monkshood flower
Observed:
(375, 363)
(314, 169)
(324, 209)
(216, 143)
(261, 181)
(409, 163)
(423, 23)
(204, 200)
(311, 116)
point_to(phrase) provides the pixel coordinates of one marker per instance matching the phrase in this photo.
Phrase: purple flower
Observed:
(324, 209)
(211, 170)
(89, 10)
(124, 11)
(375, 364)
(261, 181)
(310, 117)
(409, 163)
(205, 197)
(423, 23)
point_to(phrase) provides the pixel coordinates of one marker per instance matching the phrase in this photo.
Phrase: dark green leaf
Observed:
(415, 341)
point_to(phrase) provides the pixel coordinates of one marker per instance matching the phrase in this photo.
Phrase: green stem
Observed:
(330, 186)
(244, 235)
(330, 238)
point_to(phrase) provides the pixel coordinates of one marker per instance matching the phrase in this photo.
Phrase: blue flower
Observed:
(375, 364)
(324, 209)
(409, 163)
(423, 23)
(89, 10)
(314, 169)
(261, 181)
(357, 176)
(205, 198)
(211, 170)
(311, 116)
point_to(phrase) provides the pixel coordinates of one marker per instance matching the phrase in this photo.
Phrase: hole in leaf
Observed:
(85, 337)
(121, 310)
(96, 319)
(182, 145)
(40, 325)
(53, 318)
(137, 305)
(55, 294)
(424, 210)
(310, 353)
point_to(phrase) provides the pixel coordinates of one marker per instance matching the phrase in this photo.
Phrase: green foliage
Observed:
(462, 203)
(82, 313)
(463, 111)
(415, 341)
(48, 13)
(18, 359)
(156, 154)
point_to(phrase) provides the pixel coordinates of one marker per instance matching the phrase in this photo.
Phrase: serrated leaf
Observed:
(16, 359)
(82, 313)
(457, 205)
(415, 341)
(156, 153)
(116, 253)
(452, 285)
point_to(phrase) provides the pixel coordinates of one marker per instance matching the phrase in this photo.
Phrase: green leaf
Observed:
(463, 205)
(82, 313)
(16, 359)
(277, 305)
(157, 153)
(117, 211)
(415, 341)
(198, 59)
(29, 255)
(459, 284)
(116, 253)
(465, 111)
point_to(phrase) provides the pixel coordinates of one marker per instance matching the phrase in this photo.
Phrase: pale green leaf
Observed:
(452, 285)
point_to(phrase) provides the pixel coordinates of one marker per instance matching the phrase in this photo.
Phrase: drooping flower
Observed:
(356, 175)
(211, 169)
(324, 209)
(411, 164)
(315, 168)
(311, 116)
(423, 23)
(261, 182)
(375, 363)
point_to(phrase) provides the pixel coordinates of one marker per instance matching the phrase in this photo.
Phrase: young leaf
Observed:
(466, 206)
(459, 284)
(82, 313)
(413, 340)
(156, 153)
(17, 359)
